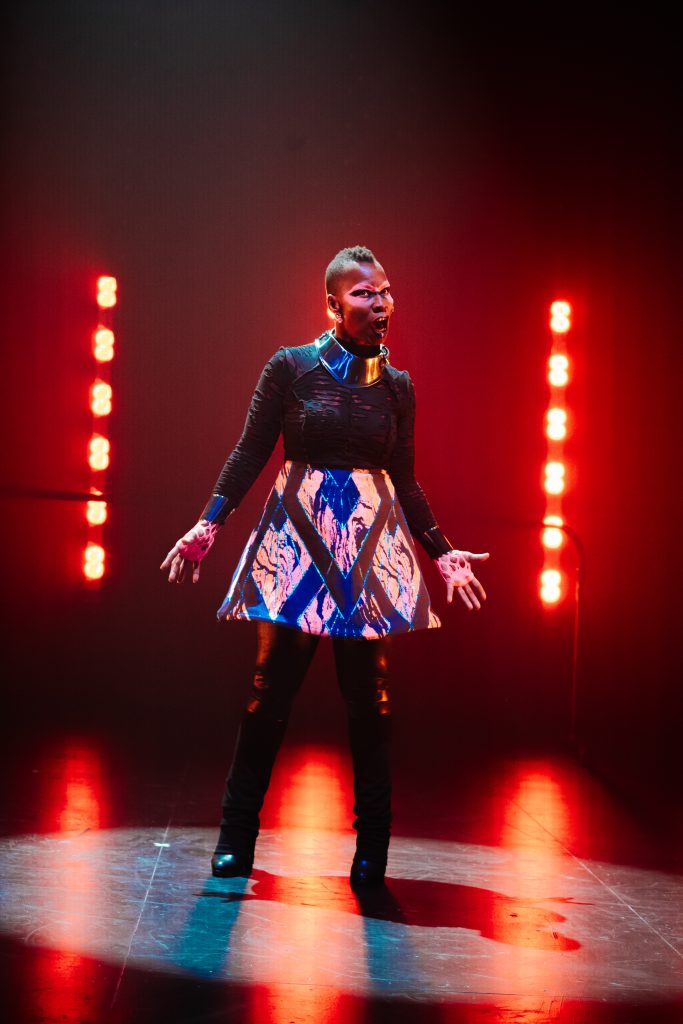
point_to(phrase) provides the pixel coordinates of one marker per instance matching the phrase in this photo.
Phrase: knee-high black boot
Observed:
(362, 670)
(282, 658)
(258, 742)
(370, 737)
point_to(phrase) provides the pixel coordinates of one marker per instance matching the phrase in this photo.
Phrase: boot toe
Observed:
(366, 872)
(230, 864)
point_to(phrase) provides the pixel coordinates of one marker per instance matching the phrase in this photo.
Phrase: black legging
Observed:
(282, 660)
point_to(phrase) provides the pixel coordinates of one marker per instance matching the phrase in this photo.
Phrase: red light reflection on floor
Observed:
(314, 794)
(534, 826)
(67, 987)
(284, 1004)
(538, 794)
(310, 791)
(72, 797)
(73, 805)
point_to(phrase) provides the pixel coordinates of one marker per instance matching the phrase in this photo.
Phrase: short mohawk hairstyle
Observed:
(343, 260)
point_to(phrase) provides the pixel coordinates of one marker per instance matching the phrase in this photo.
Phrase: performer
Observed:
(332, 555)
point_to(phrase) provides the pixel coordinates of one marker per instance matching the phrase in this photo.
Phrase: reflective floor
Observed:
(519, 889)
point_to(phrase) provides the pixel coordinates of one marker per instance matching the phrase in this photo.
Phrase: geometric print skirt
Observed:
(332, 555)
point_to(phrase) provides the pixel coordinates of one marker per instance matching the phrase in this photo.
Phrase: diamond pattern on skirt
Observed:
(331, 555)
(279, 565)
(395, 566)
(341, 509)
(338, 490)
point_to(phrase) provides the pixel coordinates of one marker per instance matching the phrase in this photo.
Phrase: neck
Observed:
(356, 349)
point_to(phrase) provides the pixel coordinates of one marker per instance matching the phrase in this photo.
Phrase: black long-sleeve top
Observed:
(325, 423)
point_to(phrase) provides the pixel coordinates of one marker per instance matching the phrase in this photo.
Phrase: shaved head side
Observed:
(344, 259)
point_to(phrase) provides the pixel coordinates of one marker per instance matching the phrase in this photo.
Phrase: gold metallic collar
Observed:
(354, 371)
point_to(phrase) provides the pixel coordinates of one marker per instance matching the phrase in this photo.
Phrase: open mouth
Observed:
(380, 326)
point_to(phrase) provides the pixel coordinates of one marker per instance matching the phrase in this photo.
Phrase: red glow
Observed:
(313, 797)
(81, 809)
(536, 794)
(103, 345)
(106, 292)
(67, 986)
(558, 370)
(310, 800)
(100, 398)
(534, 823)
(98, 452)
(96, 512)
(551, 583)
(556, 425)
(72, 794)
(554, 477)
(552, 536)
(93, 562)
(560, 317)
(551, 586)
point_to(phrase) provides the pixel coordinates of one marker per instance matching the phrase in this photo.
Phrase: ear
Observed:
(333, 304)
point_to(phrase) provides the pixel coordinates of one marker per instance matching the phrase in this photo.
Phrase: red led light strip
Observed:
(552, 582)
(100, 399)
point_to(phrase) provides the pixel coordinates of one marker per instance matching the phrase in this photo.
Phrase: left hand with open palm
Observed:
(456, 569)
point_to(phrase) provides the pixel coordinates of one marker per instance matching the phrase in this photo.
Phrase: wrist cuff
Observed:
(435, 542)
(217, 510)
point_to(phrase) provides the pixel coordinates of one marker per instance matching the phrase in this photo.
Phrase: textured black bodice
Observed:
(328, 424)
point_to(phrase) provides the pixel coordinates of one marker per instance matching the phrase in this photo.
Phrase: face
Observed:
(363, 297)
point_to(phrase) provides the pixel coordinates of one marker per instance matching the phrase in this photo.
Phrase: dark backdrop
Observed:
(213, 156)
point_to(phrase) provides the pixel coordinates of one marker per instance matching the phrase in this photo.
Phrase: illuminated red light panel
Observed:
(100, 401)
(552, 581)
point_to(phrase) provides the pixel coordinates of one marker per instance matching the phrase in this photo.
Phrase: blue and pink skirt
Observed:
(332, 555)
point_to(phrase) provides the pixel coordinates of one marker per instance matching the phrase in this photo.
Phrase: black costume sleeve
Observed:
(402, 472)
(259, 437)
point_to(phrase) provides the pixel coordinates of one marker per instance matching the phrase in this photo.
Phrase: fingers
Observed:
(469, 597)
(457, 573)
(177, 570)
(179, 567)
(169, 557)
(174, 569)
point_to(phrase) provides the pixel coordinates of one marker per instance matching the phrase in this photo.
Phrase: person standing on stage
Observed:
(331, 556)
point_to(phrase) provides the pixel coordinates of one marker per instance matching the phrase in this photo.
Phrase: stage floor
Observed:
(519, 889)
